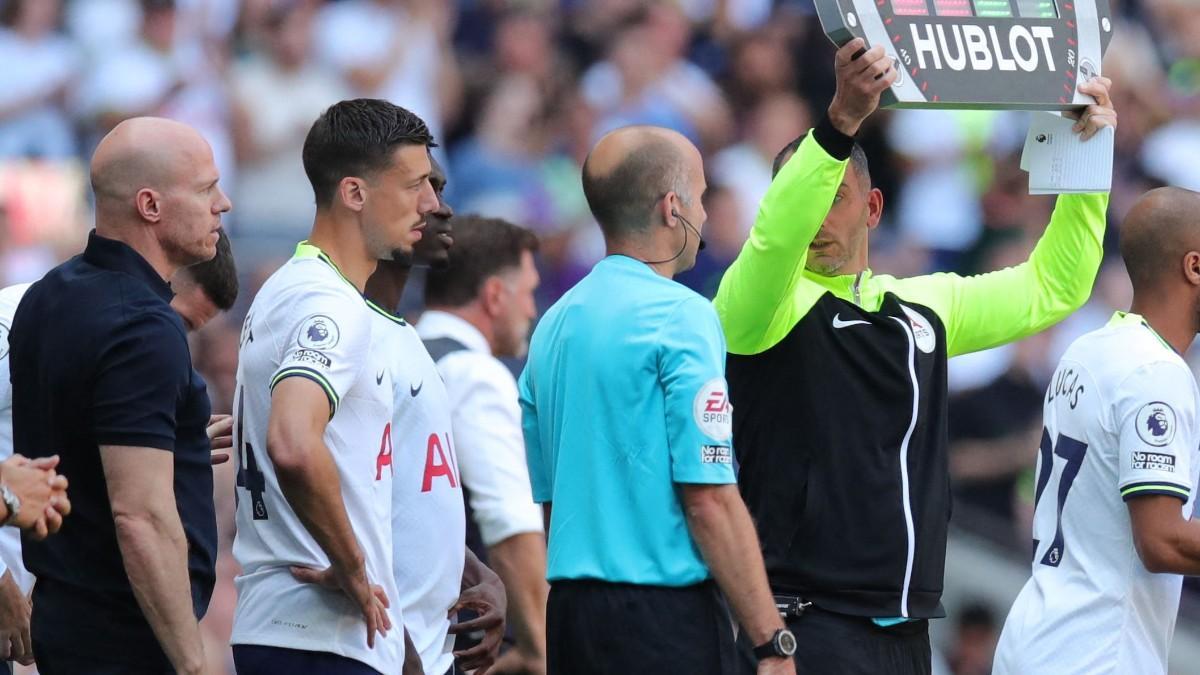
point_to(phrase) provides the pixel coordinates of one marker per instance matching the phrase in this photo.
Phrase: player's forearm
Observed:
(520, 561)
(313, 490)
(475, 572)
(1176, 553)
(723, 531)
(154, 551)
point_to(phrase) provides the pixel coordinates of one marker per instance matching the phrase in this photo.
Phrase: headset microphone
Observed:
(699, 247)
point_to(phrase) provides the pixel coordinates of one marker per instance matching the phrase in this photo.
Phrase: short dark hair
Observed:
(357, 138)
(858, 157)
(483, 247)
(217, 277)
(623, 199)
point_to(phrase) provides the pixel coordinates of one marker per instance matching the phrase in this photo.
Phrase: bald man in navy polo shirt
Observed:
(101, 373)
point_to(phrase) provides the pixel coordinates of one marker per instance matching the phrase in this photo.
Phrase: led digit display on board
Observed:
(952, 7)
(998, 9)
(986, 9)
(1037, 9)
(910, 8)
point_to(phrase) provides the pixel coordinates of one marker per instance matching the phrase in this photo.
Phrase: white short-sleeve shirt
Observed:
(1120, 422)
(308, 321)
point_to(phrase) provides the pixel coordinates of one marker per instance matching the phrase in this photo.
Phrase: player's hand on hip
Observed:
(371, 598)
(860, 82)
(1100, 114)
(776, 666)
(43, 493)
(488, 600)
(15, 643)
(220, 435)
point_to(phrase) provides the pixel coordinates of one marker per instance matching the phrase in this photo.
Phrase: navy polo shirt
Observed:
(98, 357)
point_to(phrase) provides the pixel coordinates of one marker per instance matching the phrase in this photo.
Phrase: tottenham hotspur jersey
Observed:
(310, 322)
(1120, 422)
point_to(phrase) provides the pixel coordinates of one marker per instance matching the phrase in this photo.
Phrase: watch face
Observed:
(787, 643)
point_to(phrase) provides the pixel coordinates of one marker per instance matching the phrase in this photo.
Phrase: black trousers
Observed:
(263, 660)
(600, 628)
(58, 662)
(839, 644)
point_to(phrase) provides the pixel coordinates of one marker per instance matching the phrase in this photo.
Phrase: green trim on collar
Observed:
(307, 250)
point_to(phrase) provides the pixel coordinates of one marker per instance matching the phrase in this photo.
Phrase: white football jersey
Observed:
(428, 515)
(308, 321)
(1120, 422)
(10, 537)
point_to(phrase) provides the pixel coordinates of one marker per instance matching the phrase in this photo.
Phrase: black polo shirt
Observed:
(98, 357)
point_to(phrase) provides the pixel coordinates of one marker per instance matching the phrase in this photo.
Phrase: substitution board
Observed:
(984, 54)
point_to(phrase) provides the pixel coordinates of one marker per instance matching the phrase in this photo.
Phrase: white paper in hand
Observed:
(1059, 162)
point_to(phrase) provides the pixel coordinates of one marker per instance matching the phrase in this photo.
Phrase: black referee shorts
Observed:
(840, 644)
(601, 628)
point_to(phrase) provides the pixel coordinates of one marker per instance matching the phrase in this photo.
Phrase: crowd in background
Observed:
(515, 92)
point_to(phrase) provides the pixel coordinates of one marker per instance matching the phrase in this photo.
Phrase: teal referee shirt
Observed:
(623, 397)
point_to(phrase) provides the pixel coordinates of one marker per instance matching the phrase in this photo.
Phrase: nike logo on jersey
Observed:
(379, 378)
(415, 390)
(838, 323)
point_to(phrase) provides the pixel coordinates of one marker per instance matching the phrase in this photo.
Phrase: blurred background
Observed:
(516, 91)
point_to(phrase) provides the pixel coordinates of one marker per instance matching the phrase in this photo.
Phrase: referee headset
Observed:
(687, 226)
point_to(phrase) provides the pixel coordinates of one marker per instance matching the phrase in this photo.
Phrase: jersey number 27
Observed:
(1073, 451)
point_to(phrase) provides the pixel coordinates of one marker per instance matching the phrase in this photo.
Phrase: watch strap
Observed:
(773, 648)
(11, 502)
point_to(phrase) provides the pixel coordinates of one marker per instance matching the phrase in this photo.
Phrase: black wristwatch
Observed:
(782, 645)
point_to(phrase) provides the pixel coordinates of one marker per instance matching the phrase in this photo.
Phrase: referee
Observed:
(627, 426)
(840, 382)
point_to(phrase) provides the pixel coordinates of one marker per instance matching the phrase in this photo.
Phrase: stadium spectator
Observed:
(273, 196)
(627, 425)
(158, 72)
(976, 632)
(480, 306)
(101, 372)
(394, 50)
(746, 167)
(33, 122)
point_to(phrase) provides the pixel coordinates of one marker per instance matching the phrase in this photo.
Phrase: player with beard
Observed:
(313, 411)
(434, 571)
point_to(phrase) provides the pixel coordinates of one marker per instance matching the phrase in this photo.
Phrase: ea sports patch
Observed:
(318, 332)
(712, 410)
(1156, 424)
(716, 454)
(3, 339)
